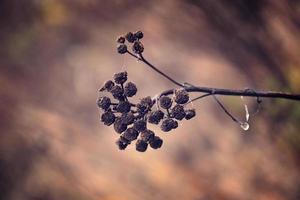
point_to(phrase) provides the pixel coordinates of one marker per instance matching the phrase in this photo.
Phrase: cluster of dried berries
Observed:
(130, 120)
(134, 38)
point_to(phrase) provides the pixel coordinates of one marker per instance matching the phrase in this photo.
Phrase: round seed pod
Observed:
(181, 96)
(178, 112)
(168, 124)
(147, 135)
(117, 92)
(140, 125)
(189, 114)
(130, 37)
(142, 109)
(121, 39)
(130, 89)
(107, 86)
(131, 134)
(139, 35)
(104, 103)
(156, 142)
(165, 102)
(108, 118)
(119, 126)
(137, 47)
(147, 101)
(122, 48)
(127, 118)
(155, 117)
(121, 144)
(120, 77)
(123, 107)
(141, 145)
(174, 124)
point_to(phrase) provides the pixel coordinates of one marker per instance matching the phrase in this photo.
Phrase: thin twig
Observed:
(225, 110)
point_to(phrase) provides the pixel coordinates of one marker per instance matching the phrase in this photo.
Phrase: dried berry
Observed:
(130, 89)
(156, 142)
(120, 77)
(165, 102)
(104, 103)
(147, 135)
(139, 35)
(130, 134)
(147, 101)
(123, 107)
(130, 37)
(139, 125)
(119, 126)
(168, 124)
(117, 92)
(127, 118)
(137, 47)
(122, 48)
(178, 112)
(107, 86)
(181, 96)
(108, 118)
(121, 144)
(121, 39)
(155, 117)
(141, 145)
(145, 105)
(189, 114)
(174, 124)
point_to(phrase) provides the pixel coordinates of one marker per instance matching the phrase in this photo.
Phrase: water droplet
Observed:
(245, 126)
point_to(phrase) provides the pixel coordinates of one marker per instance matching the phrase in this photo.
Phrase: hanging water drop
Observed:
(245, 126)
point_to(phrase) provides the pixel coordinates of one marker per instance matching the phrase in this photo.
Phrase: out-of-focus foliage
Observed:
(55, 54)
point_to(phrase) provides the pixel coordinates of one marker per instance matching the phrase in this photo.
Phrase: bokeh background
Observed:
(55, 54)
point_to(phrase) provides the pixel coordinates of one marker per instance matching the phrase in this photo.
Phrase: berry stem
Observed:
(219, 91)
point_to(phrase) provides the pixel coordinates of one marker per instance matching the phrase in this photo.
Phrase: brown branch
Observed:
(218, 91)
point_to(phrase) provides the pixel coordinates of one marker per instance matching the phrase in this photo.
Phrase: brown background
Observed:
(55, 54)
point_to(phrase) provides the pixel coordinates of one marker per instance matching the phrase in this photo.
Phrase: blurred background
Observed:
(55, 54)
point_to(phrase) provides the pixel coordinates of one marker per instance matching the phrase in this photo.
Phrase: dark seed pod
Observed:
(107, 86)
(189, 114)
(141, 145)
(155, 117)
(104, 103)
(124, 140)
(142, 109)
(130, 134)
(108, 118)
(181, 96)
(137, 47)
(127, 118)
(120, 77)
(165, 102)
(174, 124)
(147, 101)
(130, 89)
(122, 48)
(168, 124)
(147, 135)
(121, 39)
(178, 112)
(156, 142)
(130, 37)
(119, 126)
(117, 92)
(139, 125)
(139, 35)
(121, 144)
(123, 107)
